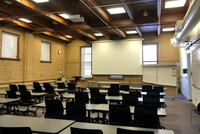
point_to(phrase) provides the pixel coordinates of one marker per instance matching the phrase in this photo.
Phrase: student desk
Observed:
(112, 129)
(7, 101)
(38, 125)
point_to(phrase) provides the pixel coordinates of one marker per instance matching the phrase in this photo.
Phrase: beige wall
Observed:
(166, 53)
(29, 68)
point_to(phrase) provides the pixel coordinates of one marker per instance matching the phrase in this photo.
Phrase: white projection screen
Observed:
(122, 57)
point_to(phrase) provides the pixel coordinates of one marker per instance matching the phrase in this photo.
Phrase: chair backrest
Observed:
(146, 116)
(46, 84)
(54, 109)
(61, 85)
(151, 101)
(25, 96)
(11, 94)
(115, 86)
(76, 111)
(113, 92)
(71, 86)
(85, 131)
(153, 93)
(119, 115)
(81, 97)
(94, 90)
(98, 99)
(129, 99)
(13, 87)
(37, 87)
(146, 87)
(15, 130)
(22, 88)
(125, 87)
(137, 94)
(126, 131)
(159, 88)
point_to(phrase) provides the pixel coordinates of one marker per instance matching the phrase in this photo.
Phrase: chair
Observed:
(12, 94)
(46, 84)
(13, 87)
(71, 87)
(115, 86)
(51, 94)
(37, 87)
(126, 131)
(26, 100)
(76, 111)
(94, 90)
(85, 131)
(129, 99)
(136, 94)
(125, 87)
(81, 97)
(159, 88)
(54, 109)
(146, 87)
(113, 92)
(61, 85)
(22, 88)
(15, 130)
(146, 116)
(151, 101)
(120, 115)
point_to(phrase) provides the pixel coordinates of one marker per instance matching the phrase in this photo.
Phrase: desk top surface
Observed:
(112, 129)
(42, 125)
(8, 100)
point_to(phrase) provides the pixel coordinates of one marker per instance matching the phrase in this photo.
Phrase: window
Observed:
(150, 54)
(45, 52)
(9, 48)
(86, 62)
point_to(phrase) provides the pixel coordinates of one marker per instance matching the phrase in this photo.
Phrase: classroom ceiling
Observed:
(90, 16)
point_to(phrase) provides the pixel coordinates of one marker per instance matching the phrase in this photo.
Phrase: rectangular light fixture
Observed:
(174, 3)
(168, 29)
(98, 34)
(40, 1)
(116, 10)
(25, 20)
(64, 15)
(131, 32)
(68, 36)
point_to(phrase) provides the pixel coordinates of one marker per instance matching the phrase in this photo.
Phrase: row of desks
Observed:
(55, 126)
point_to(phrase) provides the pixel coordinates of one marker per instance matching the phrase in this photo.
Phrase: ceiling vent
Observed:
(76, 18)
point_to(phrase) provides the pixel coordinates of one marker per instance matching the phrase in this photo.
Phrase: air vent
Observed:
(76, 18)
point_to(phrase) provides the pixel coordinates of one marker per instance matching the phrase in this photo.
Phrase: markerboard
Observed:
(196, 68)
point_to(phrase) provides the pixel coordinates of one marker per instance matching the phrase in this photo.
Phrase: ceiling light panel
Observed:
(64, 15)
(174, 3)
(116, 10)
(131, 32)
(98, 34)
(68, 36)
(40, 1)
(25, 20)
(168, 29)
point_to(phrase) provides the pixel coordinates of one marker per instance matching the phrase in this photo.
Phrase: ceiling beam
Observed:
(32, 6)
(159, 14)
(91, 36)
(61, 37)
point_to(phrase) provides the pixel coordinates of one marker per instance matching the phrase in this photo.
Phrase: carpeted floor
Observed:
(178, 116)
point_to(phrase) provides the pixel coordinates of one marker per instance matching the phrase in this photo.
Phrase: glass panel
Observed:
(150, 54)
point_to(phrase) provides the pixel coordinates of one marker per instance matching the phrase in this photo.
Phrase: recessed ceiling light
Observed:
(168, 29)
(98, 34)
(174, 3)
(68, 36)
(64, 15)
(116, 10)
(131, 32)
(40, 1)
(25, 20)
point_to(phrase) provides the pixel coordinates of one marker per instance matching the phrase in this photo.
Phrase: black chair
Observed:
(72, 87)
(146, 87)
(120, 115)
(146, 116)
(94, 90)
(81, 97)
(22, 88)
(14, 105)
(113, 92)
(136, 94)
(54, 109)
(46, 84)
(13, 87)
(151, 101)
(126, 131)
(159, 88)
(76, 111)
(37, 87)
(26, 101)
(129, 99)
(51, 94)
(15, 130)
(61, 85)
(85, 131)
(125, 87)
(115, 86)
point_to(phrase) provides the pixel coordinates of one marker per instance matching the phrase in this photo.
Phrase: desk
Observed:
(112, 129)
(38, 125)
(7, 101)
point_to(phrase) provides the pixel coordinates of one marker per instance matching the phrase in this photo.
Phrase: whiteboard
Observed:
(150, 74)
(196, 68)
(122, 57)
